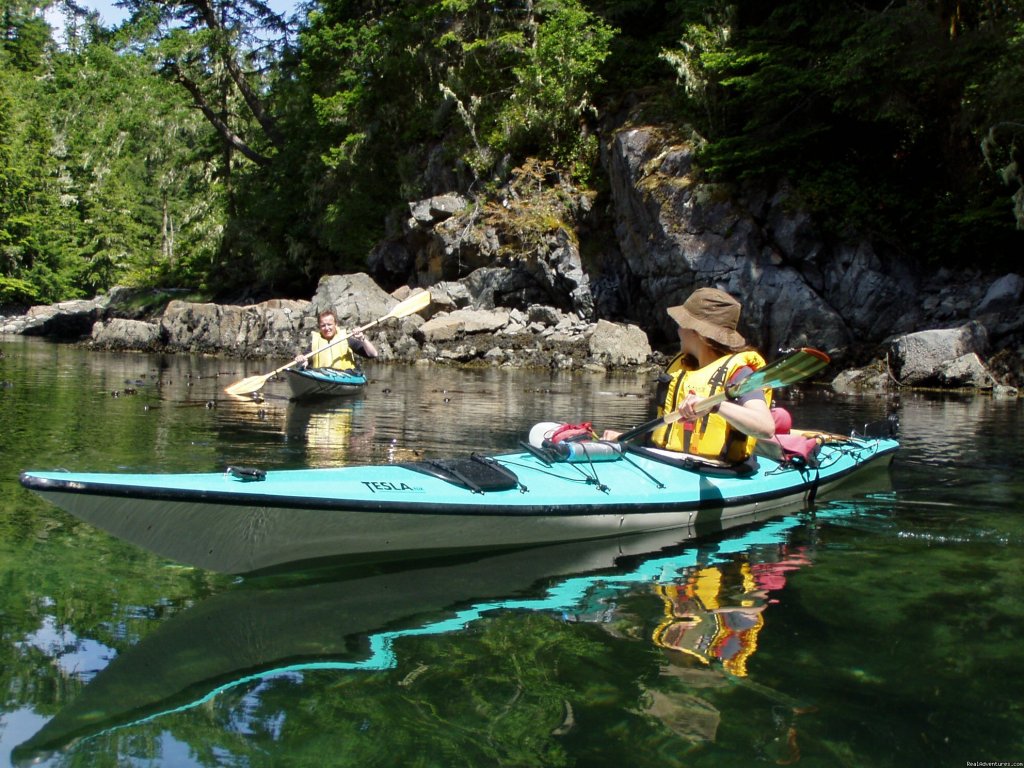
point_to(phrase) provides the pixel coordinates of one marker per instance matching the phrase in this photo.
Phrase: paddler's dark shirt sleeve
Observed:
(740, 375)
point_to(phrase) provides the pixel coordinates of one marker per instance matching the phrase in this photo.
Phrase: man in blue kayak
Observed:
(712, 355)
(329, 351)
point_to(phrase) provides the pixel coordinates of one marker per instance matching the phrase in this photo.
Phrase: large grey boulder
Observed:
(871, 378)
(355, 299)
(544, 315)
(270, 328)
(966, 371)
(615, 344)
(448, 295)
(65, 320)
(919, 358)
(433, 210)
(461, 322)
(121, 333)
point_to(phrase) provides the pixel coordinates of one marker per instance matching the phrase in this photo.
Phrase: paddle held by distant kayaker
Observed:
(712, 355)
(329, 351)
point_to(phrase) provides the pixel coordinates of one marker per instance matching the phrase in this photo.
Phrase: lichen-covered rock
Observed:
(616, 344)
(355, 299)
(871, 378)
(259, 330)
(66, 320)
(121, 333)
(965, 371)
(462, 322)
(918, 358)
(678, 233)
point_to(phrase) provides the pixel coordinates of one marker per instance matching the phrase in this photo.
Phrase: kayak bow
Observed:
(317, 383)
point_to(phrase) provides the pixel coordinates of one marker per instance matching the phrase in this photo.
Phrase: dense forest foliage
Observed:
(218, 146)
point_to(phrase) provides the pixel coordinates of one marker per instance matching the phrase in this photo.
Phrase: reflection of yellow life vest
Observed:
(339, 356)
(327, 436)
(696, 624)
(711, 436)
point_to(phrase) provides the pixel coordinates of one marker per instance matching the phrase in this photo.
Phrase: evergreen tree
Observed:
(862, 108)
(204, 144)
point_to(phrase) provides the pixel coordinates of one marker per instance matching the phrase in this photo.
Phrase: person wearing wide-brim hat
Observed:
(713, 354)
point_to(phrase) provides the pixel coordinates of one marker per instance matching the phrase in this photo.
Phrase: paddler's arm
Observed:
(363, 345)
(749, 413)
(750, 416)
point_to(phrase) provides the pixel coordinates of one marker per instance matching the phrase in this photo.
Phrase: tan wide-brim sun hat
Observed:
(712, 313)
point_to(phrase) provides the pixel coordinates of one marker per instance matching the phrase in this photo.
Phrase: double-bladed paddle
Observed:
(789, 370)
(409, 306)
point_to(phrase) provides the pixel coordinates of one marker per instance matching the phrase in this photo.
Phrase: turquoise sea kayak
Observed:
(316, 383)
(243, 520)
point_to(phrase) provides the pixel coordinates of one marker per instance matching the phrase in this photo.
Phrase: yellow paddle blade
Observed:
(248, 385)
(409, 306)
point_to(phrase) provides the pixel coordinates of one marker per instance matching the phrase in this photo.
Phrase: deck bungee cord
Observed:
(586, 478)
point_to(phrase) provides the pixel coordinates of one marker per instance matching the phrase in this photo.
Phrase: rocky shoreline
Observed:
(456, 330)
(450, 330)
(541, 272)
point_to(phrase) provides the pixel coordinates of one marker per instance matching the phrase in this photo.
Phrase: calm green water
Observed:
(882, 628)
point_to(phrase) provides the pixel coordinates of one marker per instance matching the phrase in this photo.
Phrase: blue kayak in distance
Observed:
(318, 383)
(244, 519)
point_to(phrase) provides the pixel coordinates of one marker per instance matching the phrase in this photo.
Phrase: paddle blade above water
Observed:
(409, 306)
(248, 385)
(791, 369)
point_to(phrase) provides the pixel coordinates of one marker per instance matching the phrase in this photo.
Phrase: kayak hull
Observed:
(224, 522)
(318, 383)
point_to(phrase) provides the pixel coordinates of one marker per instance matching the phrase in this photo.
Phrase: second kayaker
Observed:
(330, 352)
(712, 355)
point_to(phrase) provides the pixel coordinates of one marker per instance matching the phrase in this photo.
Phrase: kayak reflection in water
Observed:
(328, 435)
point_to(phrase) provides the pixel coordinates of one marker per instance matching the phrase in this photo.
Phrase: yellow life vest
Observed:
(712, 436)
(339, 356)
